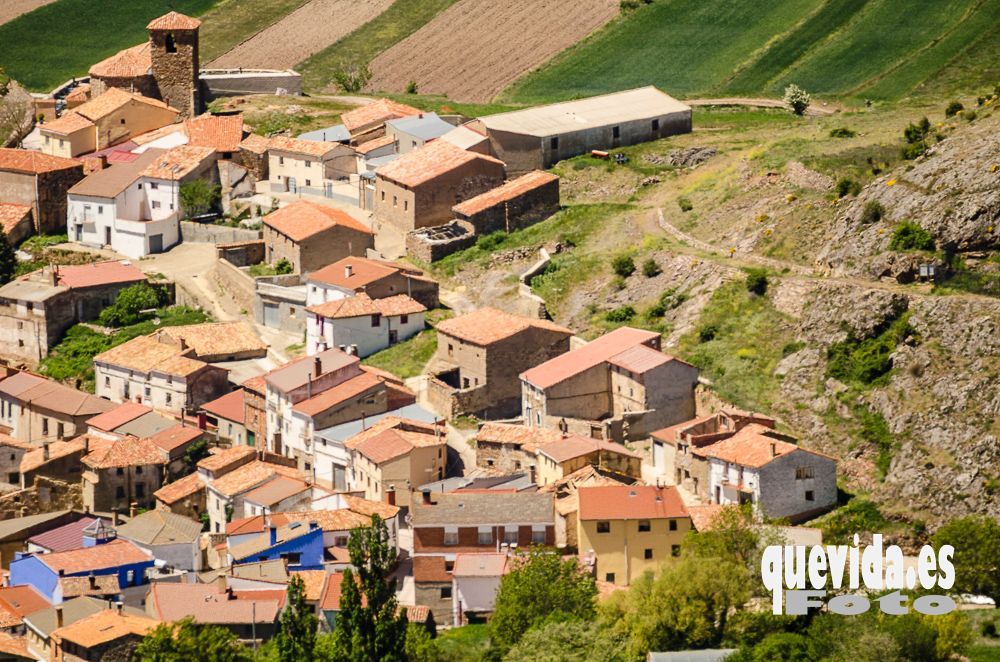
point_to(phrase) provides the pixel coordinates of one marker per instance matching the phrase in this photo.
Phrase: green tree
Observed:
(283, 266)
(420, 646)
(199, 196)
(185, 640)
(568, 641)
(541, 587)
(296, 638)
(756, 281)
(369, 624)
(977, 554)
(623, 265)
(8, 260)
(195, 453)
(130, 303)
(650, 269)
(797, 99)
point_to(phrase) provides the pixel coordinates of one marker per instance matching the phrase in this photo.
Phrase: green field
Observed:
(399, 21)
(45, 47)
(878, 49)
(231, 22)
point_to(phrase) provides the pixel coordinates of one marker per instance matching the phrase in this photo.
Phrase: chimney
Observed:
(348, 271)
(774, 449)
(317, 366)
(86, 444)
(114, 517)
(45, 451)
(59, 616)
(54, 276)
(132, 507)
(427, 497)
(118, 607)
(93, 581)
(274, 534)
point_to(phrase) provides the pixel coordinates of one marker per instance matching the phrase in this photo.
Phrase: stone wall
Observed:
(518, 212)
(217, 83)
(432, 244)
(241, 253)
(215, 234)
(46, 495)
(176, 71)
(238, 284)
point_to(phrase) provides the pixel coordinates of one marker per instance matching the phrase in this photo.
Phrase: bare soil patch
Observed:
(475, 48)
(307, 30)
(11, 9)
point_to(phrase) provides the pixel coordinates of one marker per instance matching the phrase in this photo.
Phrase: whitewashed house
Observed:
(475, 581)
(363, 325)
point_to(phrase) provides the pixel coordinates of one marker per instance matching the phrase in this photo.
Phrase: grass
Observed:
(269, 115)
(400, 20)
(445, 106)
(468, 643)
(72, 360)
(231, 22)
(54, 43)
(408, 358)
(984, 653)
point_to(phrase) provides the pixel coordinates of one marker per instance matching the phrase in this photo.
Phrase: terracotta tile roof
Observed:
(703, 516)
(753, 446)
(63, 399)
(229, 406)
(298, 372)
(129, 63)
(256, 384)
(80, 93)
(640, 359)
(160, 527)
(63, 538)
(485, 326)
(342, 519)
(428, 162)
(430, 569)
(9, 619)
(34, 459)
(574, 446)
(363, 272)
(147, 354)
(372, 145)
(330, 601)
(125, 452)
(120, 415)
(108, 272)
(26, 161)
(112, 100)
(217, 339)
(630, 502)
(251, 475)
(275, 491)
(12, 214)
(290, 531)
(375, 113)
(255, 143)
(394, 437)
(155, 134)
(303, 219)
(104, 627)
(315, 582)
(174, 21)
(174, 437)
(480, 565)
(180, 489)
(362, 305)
(593, 353)
(15, 646)
(368, 508)
(99, 557)
(315, 148)
(416, 613)
(223, 133)
(669, 433)
(178, 162)
(520, 435)
(224, 458)
(7, 441)
(18, 383)
(505, 193)
(339, 394)
(67, 123)
(22, 600)
(73, 587)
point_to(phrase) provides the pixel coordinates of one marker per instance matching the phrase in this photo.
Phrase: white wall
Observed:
(359, 331)
(132, 216)
(474, 594)
(164, 392)
(318, 293)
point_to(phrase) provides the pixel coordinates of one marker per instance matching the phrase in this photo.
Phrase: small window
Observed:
(308, 165)
(554, 143)
(538, 535)
(406, 205)
(152, 185)
(449, 566)
(604, 527)
(138, 471)
(138, 186)
(609, 577)
(119, 471)
(644, 525)
(804, 472)
(170, 45)
(383, 196)
(510, 534)
(446, 593)
(140, 490)
(156, 204)
(395, 202)
(309, 182)
(119, 492)
(376, 320)
(281, 160)
(100, 209)
(451, 536)
(675, 550)
(404, 319)
(810, 495)
(656, 125)
(647, 554)
(673, 525)
(45, 426)
(485, 536)
(122, 120)
(170, 398)
(616, 132)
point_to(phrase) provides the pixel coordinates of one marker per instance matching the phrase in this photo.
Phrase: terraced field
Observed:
(878, 49)
(231, 22)
(11, 9)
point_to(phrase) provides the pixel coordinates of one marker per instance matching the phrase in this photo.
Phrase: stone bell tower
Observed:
(173, 40)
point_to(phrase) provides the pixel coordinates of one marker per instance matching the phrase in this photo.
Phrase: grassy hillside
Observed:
(851, 48)
(232, 21)
(45, 47)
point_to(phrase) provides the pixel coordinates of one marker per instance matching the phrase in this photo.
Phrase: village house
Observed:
(57, 460)
(227, 416)
(415, 131)
(508, 448)
(311, 236)
(299, 544)
(307, 167)
(134, 206)
(394, 456)
(186, 496)
(106, 120)
(224, 495)
(121, 474)
(362, 324)
(276, 496)
(367, 122)
(11, 454)
(15, 532)
(244, 613)
(35, 410)
(66, 537)
(374, 154)
(536, 138)
(479, 357)
(520, 202)
(110, 634)
(223, 133)
(16, 602)
(475, 582)
(630, 529)
(42, 623)
(420, 188)
(40, 182)
(566, 490)
(619, 386)
(131, 419)
(377, 278)
(37, 308)
(171, 538)
(450, 524)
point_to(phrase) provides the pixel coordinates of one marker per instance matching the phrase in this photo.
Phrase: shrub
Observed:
(756, 281)
(656, 310)
(954, 108)
(988, 629)
(842, 132)
(199, 196)
(623, 265)
(411, 87)
(282, 266)
(873, 212)
(847, 186)
(909, 236)
(490, 242)
(130, 303)
(650, 269)
(684, 204)
(970, 115)
(792, 347)
(352, 79)
(915, 136)
(671, 299)
(797, 99)
(708, 333)
(622, 314)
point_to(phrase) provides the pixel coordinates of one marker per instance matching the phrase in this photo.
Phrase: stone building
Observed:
(307, 167)
(536, 138)
(255, 410)
(619, 386)
(34, 409)
(311, 236)
(106, 635)
(420, 188)
(367, 122)
(479, 357)
(377, 278)
(37, 308)
(121, 473)
(521, 202)
(39, 181)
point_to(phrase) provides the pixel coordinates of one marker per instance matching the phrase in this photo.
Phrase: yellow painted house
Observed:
(630, 529)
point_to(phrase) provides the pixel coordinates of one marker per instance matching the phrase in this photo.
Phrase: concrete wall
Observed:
(217, 83)
(215, 234)
(622, 550)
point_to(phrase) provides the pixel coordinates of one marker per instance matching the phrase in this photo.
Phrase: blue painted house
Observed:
(298, 543)
(49, 573)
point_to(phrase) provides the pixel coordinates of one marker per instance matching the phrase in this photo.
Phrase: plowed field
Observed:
(11, 9)
(310, 28)
(475, 48)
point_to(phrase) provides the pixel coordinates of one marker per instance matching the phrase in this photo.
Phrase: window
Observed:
(609, 577)
(383, 196)
(510, 534)
(647, 554)
(804, 472)
(309, 165)
(146, 391)
(107, 382)
(656, 125)
(449, 566)
(140, 490)
(451, 535)
(810, 495)
(60, 430)
(554, 143)
(404, 319)
(119, 471)
(131, 577)
(139, 186)
(485, 535)
(170, 45)
(152, 185)
(309, 182)
(376, 320)
(604, 527)
(138, 471)
(281, 160)
(643, 525)
(293, 558)
(156, 204)
(100, 209)
(451, 348)
(45, 426)
(446, 593)
(406, 205)
(537, 534)
(119, 492)
(394, 202)
(616, 132)
(673, 525)
(170, 398)
(308, 467)
(121, 121)
(675, 550)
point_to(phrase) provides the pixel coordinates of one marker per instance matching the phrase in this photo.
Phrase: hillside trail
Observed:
(751, 102)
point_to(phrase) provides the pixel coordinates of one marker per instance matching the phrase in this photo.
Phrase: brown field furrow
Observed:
(310, 28)
(475, 48)
(11, 9)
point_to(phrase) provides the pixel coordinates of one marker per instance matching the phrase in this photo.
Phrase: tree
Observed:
(977, 554)
(130, 303)
(756, 281)
(623, 265)
(420, 646)
(369, 624)
(283, 266)
(569, 641)
(541, 587)
(797, 99)
(195, 453)
(199, 196)
(296, 638)
(352, 78)
(650, 269)
(8, 260)
(186, 640)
